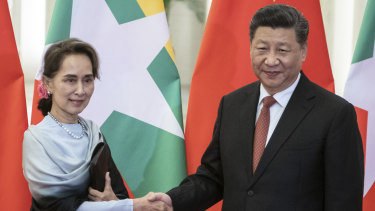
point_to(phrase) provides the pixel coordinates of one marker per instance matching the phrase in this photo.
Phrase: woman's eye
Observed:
(88, 80)
(70, 80)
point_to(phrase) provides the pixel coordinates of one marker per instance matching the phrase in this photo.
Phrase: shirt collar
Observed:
(282, 98)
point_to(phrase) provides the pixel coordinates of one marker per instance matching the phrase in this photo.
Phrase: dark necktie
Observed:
(261, 130)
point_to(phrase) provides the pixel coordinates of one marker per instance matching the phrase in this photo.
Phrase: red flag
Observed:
(224, 65)
(15, 193)
(36, 115)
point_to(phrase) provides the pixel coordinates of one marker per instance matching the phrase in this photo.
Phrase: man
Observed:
(313, 156)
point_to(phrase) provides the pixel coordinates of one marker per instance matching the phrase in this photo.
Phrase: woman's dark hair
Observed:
(54, 58)
(281, 16)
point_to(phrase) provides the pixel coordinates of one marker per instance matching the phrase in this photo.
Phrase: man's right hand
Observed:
(153, 202)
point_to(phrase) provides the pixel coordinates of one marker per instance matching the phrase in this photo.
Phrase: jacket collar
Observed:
(300, 104)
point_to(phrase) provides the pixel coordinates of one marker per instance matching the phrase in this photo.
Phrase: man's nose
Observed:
(272, 59)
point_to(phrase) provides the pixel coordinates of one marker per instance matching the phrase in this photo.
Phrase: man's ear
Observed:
(304, 51)
(251, 48)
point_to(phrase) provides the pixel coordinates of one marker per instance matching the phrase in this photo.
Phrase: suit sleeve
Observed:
(203, 189)
(344, 165)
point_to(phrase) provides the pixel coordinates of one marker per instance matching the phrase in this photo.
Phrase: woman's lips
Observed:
(77, 102)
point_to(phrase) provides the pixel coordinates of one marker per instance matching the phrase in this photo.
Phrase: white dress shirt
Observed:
(276, 110)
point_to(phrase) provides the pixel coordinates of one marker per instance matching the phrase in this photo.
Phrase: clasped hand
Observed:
(150, 202)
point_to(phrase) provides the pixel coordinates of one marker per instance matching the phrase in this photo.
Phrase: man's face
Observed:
(276, 57)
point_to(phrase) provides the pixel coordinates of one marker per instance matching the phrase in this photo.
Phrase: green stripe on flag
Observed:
(164, 72)
(148, 158)
(59, 28)
(125, 10)
(366, 38)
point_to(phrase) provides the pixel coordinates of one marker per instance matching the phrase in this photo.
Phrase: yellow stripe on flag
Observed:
(169, 48)
(151, 7)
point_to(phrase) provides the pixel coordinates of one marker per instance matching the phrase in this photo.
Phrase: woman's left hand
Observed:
(106, 195)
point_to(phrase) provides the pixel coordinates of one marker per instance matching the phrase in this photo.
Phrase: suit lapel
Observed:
(300, 104)
(248, 114)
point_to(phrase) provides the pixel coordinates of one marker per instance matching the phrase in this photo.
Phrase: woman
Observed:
(57, 151)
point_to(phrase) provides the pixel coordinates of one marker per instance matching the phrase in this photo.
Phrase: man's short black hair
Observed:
(281, 16)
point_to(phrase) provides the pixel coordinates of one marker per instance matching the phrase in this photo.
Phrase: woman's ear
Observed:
(47, 83)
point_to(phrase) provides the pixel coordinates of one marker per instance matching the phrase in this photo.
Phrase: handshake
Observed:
(150, 202)
(153, 201)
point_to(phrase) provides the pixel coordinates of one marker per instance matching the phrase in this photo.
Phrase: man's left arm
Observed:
(343, 162)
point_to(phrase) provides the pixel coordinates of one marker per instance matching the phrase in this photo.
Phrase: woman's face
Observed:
(71, 88)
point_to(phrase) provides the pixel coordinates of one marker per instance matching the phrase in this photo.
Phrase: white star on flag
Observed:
(129, 82)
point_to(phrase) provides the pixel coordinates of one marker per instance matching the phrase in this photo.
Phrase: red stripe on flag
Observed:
(362, 117)
(368, 200)
(131, 195)
(15, 194)
(36, 115)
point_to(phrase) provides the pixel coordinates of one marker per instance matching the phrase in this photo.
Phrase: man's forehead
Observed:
(266, 33)
(274, 29)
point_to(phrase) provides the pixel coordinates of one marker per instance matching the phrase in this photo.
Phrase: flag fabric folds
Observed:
(224, 65)
(359, 91)
(15, 194)
(137, 100)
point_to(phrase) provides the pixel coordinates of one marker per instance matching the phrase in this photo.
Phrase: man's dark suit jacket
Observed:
(313, 160)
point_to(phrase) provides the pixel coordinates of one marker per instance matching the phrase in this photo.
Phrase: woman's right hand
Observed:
(106, 195)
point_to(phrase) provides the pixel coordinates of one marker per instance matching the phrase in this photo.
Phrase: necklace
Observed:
(67, 130)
